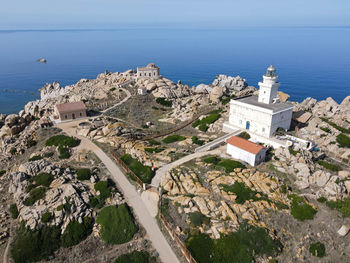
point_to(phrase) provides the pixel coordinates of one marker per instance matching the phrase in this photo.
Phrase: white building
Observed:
(142, 91)
(244, 150)
(261, 115)
(150, 71)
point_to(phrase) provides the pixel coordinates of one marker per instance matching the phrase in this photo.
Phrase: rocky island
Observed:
(146, 176)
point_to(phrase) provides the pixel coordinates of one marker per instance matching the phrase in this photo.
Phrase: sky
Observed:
(98, 14)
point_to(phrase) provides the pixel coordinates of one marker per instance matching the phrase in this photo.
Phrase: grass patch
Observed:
(230, 165)
(198, 219)
(83, 174)
(145, 173)
(206, 121)
(46, 217)
(317, 249)
(14, 211)
(339, 128)
(329, 166)
(64, 152)
(62, 140)
(243, 192)
(117, 224)
(343, 206)
(237, 247)
(300, 210)
(327, 130)
(224, 99)
(43, 179)
(35, 195)
(35, 158)
(343, 140)
(197, 141)
(164, 102)
(154, 150)
(173, 138)
(154, 142)
(105, 189)
(134, 257)
(76, 232)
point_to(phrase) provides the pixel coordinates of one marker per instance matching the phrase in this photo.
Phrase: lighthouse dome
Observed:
(271, 71)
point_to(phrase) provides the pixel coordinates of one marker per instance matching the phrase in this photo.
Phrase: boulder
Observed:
(216, 93)
(283, 96)
(343, 231)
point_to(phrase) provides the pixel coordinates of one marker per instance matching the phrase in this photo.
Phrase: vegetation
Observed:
(317, 249)
(62, 140)
(64, 152)
(325, 129)
(35, 158)
(105, 189)
(198, 219)
(83, 174)
(13, 151)
(112, 89)
(154, 150)
(134, 257)
(228, 164)
(2, 172)
(211, 159)
(292, 151)
(241, 246)
(343, 140)
(117, 224)
(203, 123)
(329, 166)
(48, 154)
(43, 179)
(14, 211)
(46, 217)
(76, 232)
(154, 142)
(31, 143)
(243, 192)
(197, 141)
(339, 128)
(35, 245)
(300, 210)
(145, 173)
(343, 206)
(164, 102)
(224, 99)
(245, 135)
(173, 138)
(322, 199)
(34, 195)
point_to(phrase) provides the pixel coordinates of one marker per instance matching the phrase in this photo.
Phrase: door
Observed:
(73, 116)
(247, 125)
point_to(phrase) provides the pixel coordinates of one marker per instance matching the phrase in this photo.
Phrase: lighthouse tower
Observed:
(269, 86)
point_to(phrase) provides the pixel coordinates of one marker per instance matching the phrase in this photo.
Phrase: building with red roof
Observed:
(70, 111)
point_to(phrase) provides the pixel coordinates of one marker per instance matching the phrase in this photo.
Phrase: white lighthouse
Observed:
(269, 86)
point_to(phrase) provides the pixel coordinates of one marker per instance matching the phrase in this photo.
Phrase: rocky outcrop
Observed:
(230, 83)
(14, 124)
(52, 91)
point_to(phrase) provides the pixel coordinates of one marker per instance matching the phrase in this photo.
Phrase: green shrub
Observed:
(35, 245)
(339, 128)
(43, 179)
(197, 141)
(203, 123)
(83, 174)
(117, 224)
(134, 257)
(154, 150)
(13, 151)
(14, 211)
(112, 89)
(197, 219)
(60, 207)
(62, 140)
(325, 129)
(76, 232)
(243, 192)
(343, 206)
(292, 151)
(48, 155)
(322, 199)
(202, 247)
(343, 140)
(300, 210)
(145, 173)
(34, 195)
(164, 102)
(224, 99)
(2, 172)
(317, 249)
(154, 142)
(244, 135)
(35, 158)
(105, 189)
(173, 138)
(46, 217)
(230, 165)
(329, 166)
(196, 123)
(31, 143)
(64, 152)
(212, 159)
(203, 127)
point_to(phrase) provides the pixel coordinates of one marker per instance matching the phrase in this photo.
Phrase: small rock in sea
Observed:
(41, 60)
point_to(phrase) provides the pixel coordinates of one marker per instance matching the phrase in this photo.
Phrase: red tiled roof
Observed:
(244, 144)
(71, 106)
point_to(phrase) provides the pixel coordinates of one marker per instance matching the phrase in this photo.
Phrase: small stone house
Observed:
(142, 91)
(150, 71)
(70, 111)
(246, 151)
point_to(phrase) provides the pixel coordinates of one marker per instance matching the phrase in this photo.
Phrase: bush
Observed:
(2, 172)
(224, 100)
(198, 219)
(173, 138)
(292, 151)
(322, 199)
(35, 158)
(154, 142)
(117, 224)
(343, 140)
(43, 179)
(13, 151)
(48, 155)
(197, 141)
(112, 89)
(343, 206)
(244, 135)
(325, 129)
(35, 245)
(212, 159)
(154, 150)
(145, 173)
(339, 128)
(105, 189)
(83, 174)
(300, 210)
(14, 211)
(31, 143)
(230, 165)
(34, 195)
(203, 127)
(329, 166)
(134, 257)
(317, 249)
(62, 140)
(76, 232)
(64, 152)
(203, 123)
(164, 102)
(46, 217)
(243, 192)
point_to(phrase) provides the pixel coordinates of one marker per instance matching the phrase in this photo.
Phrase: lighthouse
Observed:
(269, 87)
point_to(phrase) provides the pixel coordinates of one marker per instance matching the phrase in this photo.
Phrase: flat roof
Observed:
(71, 106)
(245, 145)
(253, 100)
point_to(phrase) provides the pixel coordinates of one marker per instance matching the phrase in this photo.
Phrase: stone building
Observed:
(246, 151)
(70, 111)
(142, 91)
(150, 71)
(261, 115)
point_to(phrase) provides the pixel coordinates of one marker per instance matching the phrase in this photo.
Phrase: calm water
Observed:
(310, 61)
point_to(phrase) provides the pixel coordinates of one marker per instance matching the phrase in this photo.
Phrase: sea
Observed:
(310, 61)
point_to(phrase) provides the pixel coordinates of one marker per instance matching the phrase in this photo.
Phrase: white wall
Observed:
(240, 154)
(282, 119)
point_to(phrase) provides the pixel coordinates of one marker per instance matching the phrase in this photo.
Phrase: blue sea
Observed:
(311, 61)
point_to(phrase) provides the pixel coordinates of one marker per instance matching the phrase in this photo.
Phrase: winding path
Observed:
(133, 198)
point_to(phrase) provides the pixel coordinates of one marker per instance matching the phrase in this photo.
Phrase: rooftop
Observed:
(149, 66)
(253, 100)
(244, 144)
(71, 106)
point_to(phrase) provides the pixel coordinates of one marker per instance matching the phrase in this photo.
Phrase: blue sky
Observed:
(42, 14)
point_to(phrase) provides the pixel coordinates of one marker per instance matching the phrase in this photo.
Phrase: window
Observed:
(150, 74)
(81, 114)
(263, 129)
(65, 116)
